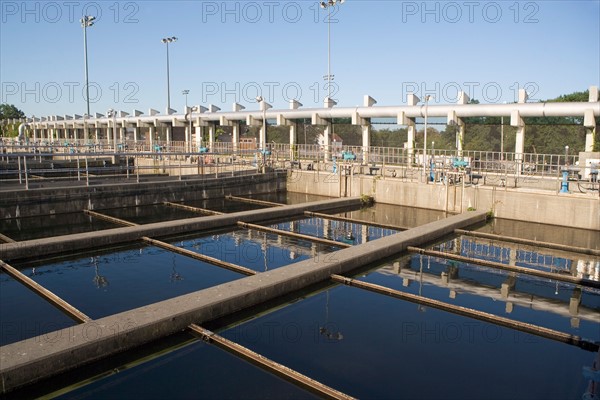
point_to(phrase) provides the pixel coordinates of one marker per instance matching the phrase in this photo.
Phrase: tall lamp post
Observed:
(328, 5)
(427, 97)
(113, 115)
(166, 41)
(86, 22)
(185, 92)
(263, 137)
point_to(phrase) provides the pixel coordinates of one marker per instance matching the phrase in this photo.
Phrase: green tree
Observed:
(9, 111)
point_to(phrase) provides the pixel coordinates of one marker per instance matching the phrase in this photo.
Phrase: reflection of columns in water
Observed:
(313, 250)
(512, 256)
(574, 303)
(211, 136)
(293, 226)
(505, 289)
(458, 245)
(364, 233)
(419, 306)
(327, 229)
(507, 286)
(265, 249)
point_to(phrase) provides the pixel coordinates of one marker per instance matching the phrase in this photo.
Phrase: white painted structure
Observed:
(58, 127)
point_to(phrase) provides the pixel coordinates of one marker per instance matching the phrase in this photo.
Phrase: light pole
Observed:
(263, 137)
(264, 106)
(328, 5)
(167, 41)
(86, 22)
(427, 97)
(185, 92)
(113, 114)
(502, 137)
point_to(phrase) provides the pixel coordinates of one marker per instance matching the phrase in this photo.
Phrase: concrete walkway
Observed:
(110, 237)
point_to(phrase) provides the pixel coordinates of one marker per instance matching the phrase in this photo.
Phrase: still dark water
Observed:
(361, 343)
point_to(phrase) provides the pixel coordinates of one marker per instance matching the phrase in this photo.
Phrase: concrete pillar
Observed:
(108, 134)
(235, 136)
(122, 134)
(327, 141)
(590, 138)
(410, 141)
(589, 122)
(136, 131)
(262, 137)
(212, 128)
(366, 142)
(198, 137)
(169, 129)
(152, 134)
(293, 140)
(460, 137)
(96, 134)
(517, 121)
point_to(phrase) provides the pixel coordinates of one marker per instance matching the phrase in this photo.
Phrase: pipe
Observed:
(551, 109)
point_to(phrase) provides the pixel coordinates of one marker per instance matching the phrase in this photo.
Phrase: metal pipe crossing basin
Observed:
(545, 109)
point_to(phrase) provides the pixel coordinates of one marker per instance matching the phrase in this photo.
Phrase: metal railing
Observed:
(543, 171)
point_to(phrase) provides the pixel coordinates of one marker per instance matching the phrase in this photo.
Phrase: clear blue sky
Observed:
(228, 51)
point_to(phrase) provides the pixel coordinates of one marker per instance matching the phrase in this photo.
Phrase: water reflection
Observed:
(99, 280)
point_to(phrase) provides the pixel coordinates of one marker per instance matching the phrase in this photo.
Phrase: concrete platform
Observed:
(37, 358)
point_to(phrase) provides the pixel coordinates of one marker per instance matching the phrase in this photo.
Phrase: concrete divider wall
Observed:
(58, 200)
(27, 361)
(546, 207)
(110, 237)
